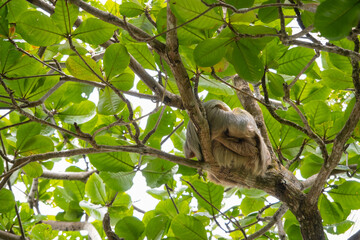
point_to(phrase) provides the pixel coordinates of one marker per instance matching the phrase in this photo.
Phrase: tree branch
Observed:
(74, 226)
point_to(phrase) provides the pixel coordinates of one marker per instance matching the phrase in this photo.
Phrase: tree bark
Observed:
(310, 222)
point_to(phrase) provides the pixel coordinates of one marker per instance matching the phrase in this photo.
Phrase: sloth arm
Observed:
(242, 147)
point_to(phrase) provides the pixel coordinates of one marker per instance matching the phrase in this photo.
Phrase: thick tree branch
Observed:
(183, 82)
(75, 226)
(80, 176)
(10, 236)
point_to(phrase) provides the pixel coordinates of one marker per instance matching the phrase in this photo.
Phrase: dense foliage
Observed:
(146, 65)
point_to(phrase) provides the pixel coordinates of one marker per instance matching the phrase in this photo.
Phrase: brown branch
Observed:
(277, 216)
(183, 82)
(107, 228)
(10, 236)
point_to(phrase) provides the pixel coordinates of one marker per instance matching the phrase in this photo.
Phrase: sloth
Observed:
(236, 140)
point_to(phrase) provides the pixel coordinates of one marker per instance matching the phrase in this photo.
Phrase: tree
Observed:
(302, 88)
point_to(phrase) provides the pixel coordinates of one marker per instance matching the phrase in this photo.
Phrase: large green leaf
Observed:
(129, 228)
(131, 9)
(79, 113)
(95, 189)
(124, 81)
(109, 102)
(212, 193)
(36, 144)
(141, 52)
(95, 211)
(347, 194)
(246, 62)
(310, 165)
(25, 132)
(249, 205)
(335, 18)
(65, 15)
(119, 181)
(268, 14)
(38, 29)
(336, 79)
(85, 71)
(186, 10)
(4, 23)
(331, 212)
(317, 112)
(9, 56)
(275, 83)
(159, 172)
(156, 228)
(166, 123)
(7, 200)
(42, 232)
(116, 59)
(94, 31)
(295, 60)
(111, 162)
(211, 51)
(188, 227)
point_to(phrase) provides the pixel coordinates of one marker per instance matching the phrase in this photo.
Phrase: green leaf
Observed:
(166, 123)
(211, 51)
(79, 69)
(36, 144)
(65, 15)
(275, 84)
(119, 181)
(25, 132)
(33, 169)
(335, 18)
(124, 81)
(7, 200)
(42, 232)
(249, 205)
(38, 29)
(336, 79)
(310, 165)
(317, 112)
(246, 62)
(295, 60)
(268, 14)
(156, 228)
(94, 31)
(131, 9)
(240, 4)
(215, 87)
(331, 212)
(79, 113)
(188, 227)
(341, 62)
(189, 9)
(141, 52)
(16, 9)
(111, 162)
(347, 194)
(339, 228)
(159, 172)
(4, 23)
(166, 208)
(109, 102)
(95, 189)
(9, 56)
(94, 210)
(116, 59)
(129, 228)
(211, 192)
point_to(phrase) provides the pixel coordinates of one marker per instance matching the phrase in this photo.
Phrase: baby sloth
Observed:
(236, 141)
